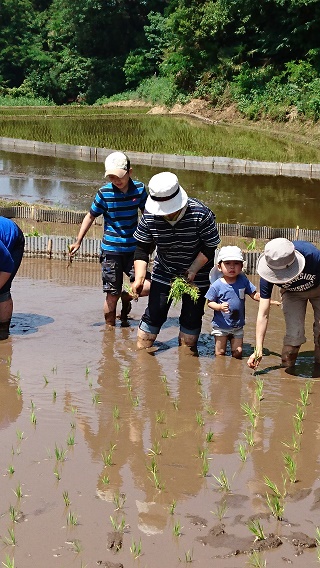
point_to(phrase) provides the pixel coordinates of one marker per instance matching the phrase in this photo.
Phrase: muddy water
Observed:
(124, 436)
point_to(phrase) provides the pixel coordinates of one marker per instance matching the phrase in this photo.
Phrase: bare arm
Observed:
(4, 277)
(197, 264)
(261, 328)
(85, 226)
(256, 296)
(223, 307)
(140, 271)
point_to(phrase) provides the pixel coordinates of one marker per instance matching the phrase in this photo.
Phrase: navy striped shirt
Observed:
(120, 212)
(179, 244)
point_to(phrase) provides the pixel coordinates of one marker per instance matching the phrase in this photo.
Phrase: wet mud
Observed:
(116, 457)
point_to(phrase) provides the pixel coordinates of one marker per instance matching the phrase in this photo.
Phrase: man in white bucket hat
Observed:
(295, 268)
(184, 232)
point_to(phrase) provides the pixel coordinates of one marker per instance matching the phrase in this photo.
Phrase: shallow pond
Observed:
(110, 447)
(250, 200)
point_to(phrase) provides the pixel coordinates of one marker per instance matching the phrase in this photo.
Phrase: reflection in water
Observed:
(24, 324)
(11, 400)
(233, 198)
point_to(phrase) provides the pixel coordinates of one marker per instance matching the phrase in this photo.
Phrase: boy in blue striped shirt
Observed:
(118, 201)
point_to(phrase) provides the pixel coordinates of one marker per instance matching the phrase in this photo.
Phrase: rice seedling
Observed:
(209, 410)
(11, 539)
(304, 397)
(105, 479)
(54, 395)
(72, 519)
(181, 286)
(118, 527)
(14, 514)
(9, 562)
(87, 372)
(164, 379)
(10, 469)
(54, 369)
(297, 425)
(155, 450)
(199, 381)
(165, 433)
(136, 549)
(18, 491)
(60, 453)
(175, 403)
(209, 436)
(259, 388)
(243, 452)
(250, 412)
(294, 445)
(318, 542)
(160, 416)
(273, 487)
(205, 466)
(256, 528)
(70, 440)
(255, 560)
(249, 436)
(46, 382)
(56, 473)
(222, 481)
(19, 390)
(107, 458)
(300, 413)
(19, 434)
(188, 556)
(96, 398)
(220, 511)
(199, 419)
(76, 544)
(290, 467)
(275, 505)
(66, 499)
(33, 418)
(172, 507)
(177, 528)
(119, 500)
(116, 413)
(308, 386)
(135, 400)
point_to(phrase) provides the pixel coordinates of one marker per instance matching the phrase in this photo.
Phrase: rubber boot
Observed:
(4, 329)
(110, 319)
(289, 355)
(145, 339)
(189, 342)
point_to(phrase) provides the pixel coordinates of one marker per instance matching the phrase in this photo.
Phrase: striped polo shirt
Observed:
(179, 244)
(120, 212)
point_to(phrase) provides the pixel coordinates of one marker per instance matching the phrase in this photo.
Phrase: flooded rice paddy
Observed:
(112, 457)
(250, 200)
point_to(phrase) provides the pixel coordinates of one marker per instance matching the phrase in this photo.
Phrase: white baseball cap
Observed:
(117, 164)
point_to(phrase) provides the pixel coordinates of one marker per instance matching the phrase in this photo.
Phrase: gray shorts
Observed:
(237, 332)
(294, 309)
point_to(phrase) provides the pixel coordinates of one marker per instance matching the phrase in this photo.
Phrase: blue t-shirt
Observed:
(120, 212)
(9, 235)
(309, 278)
(234, 294)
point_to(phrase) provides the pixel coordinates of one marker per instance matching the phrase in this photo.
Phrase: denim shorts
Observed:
(156, 313)
(236, 332)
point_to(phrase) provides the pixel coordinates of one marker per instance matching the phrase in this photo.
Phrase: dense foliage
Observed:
(263, 56)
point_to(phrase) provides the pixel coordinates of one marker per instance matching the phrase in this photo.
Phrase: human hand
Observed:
(190, 275)
(73, 248)
(254, 360)
(137, 286)
(225, 307)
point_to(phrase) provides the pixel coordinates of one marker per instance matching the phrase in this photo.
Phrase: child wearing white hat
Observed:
(226, 296)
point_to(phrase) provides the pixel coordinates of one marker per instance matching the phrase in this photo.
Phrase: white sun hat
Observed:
(230, 253)
(165, 194)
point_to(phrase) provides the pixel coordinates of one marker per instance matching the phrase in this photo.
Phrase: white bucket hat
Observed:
(280, 262)
(117, 164)
(230, 253)
(165, 194)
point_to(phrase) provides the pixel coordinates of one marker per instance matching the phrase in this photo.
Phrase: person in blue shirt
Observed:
(119, 202)
(226, 296)
(11, 253)
(295, 268)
